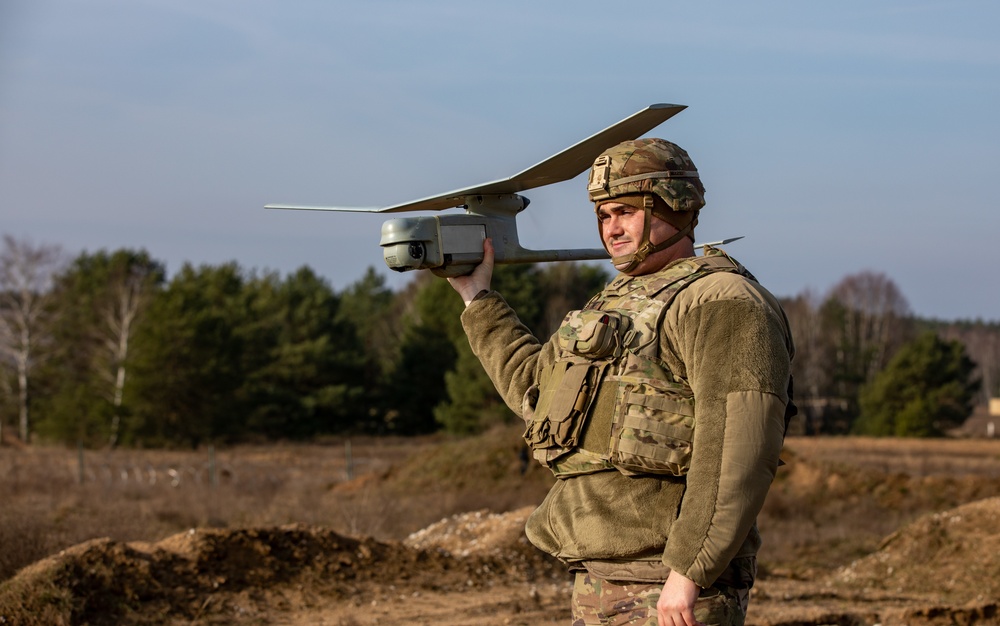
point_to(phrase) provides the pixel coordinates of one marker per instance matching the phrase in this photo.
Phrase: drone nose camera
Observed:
(402, 257)
(405, 244)
(416, 253)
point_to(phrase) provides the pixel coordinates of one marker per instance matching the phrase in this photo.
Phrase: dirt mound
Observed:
(952, 555)
(200, 573)
(491, 537)
(107, 582)
(476, 533)
(940, 570)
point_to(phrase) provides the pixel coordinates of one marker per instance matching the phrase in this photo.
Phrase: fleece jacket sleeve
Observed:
(510, 354)
(736, 351)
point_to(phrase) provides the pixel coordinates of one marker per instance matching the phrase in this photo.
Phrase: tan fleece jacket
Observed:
(728, 337)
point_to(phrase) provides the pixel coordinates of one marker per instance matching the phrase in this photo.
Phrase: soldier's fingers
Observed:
(488, 251)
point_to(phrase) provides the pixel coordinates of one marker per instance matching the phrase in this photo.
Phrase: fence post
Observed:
(349, 459)
(213, 478)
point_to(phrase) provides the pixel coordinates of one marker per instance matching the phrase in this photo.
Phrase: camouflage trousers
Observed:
(597, 601)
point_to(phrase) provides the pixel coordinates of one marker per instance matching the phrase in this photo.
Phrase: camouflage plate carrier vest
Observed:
(609, 402)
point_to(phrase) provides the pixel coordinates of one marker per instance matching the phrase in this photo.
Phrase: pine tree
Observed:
(926, 389)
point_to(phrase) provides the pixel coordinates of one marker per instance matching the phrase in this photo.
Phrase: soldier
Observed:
(660, 406)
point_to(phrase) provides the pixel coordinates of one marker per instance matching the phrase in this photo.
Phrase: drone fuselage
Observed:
(452, 244)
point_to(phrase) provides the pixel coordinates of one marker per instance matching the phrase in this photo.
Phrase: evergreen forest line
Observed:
(105, 350)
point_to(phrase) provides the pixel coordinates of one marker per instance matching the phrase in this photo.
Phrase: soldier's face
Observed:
(621, 233)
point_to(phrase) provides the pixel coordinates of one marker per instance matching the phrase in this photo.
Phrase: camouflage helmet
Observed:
(647, 166)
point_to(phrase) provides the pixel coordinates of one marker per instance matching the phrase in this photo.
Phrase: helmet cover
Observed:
(647, 166)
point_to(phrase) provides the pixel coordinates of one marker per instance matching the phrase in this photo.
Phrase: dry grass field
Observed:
(428, 531)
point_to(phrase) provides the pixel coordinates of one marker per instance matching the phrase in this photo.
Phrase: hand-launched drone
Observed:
(452, 244)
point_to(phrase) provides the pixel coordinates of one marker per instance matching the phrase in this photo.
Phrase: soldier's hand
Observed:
(471, 284)
(676, 604)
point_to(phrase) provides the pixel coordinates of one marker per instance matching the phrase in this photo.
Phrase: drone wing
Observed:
(577, 158)
(557, 168)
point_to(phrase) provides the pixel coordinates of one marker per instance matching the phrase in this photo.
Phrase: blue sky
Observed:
(837, 137)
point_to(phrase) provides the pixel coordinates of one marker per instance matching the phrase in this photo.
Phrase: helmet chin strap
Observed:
(629, 262)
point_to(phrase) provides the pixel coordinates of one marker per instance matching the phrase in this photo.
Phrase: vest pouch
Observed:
(563, 400)
(591, 333)
(653, 426)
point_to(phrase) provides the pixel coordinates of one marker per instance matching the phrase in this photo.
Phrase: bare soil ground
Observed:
(857, 531)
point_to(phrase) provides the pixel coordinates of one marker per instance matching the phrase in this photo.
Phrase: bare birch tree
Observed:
(129, 292)
(982, 344)
(988, 352)
(6, 391)
(866, 319)
(875, 321)
(813, 378)
(26, 273)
